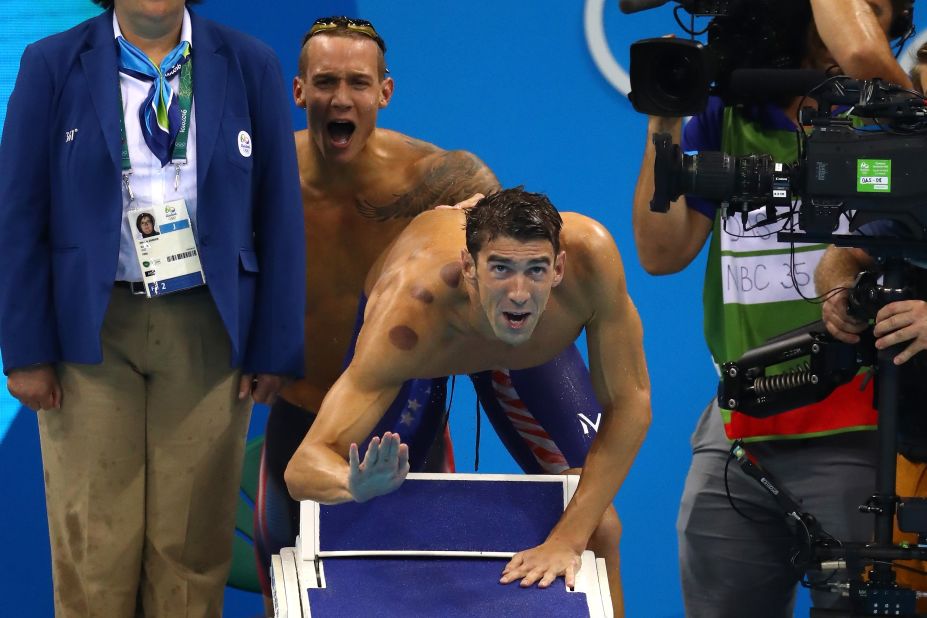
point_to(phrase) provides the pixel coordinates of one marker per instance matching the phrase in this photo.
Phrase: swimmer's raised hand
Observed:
(383, 470)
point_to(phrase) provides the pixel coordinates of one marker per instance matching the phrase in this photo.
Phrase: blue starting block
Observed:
(435, 547)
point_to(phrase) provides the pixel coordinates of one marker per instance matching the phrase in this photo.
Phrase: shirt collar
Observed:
(186, 29)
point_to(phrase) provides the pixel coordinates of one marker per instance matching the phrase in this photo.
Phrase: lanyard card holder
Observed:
(165, 248)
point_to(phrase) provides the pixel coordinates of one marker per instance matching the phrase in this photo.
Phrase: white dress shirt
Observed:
(152, 184)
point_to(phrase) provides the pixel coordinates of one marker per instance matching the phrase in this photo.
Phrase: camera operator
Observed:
(901, 322)
(737, 563)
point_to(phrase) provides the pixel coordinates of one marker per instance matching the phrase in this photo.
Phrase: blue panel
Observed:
(500, 516)
(183, 224)
(175, 284)
(450, 588)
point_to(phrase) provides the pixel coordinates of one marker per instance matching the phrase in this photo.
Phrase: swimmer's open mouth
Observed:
(340, 131)
(515, 320)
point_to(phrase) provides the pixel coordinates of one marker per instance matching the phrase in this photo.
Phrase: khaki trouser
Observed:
(142, 464)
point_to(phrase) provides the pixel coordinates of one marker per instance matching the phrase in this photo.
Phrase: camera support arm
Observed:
(746, 387)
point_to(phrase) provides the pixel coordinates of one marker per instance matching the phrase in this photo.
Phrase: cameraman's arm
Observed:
(854, 33)
(666, 242)
(837, 270)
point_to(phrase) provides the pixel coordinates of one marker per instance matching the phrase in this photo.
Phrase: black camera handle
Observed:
(884, 501)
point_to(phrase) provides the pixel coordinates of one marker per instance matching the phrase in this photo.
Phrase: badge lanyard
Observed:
(169, 258)
(179, 153)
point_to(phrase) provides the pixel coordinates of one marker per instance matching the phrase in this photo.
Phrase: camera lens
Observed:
(710, 175)
(676, 78)
(670, 77)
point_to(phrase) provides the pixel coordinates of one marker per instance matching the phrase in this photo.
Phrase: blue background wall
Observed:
(516, 83)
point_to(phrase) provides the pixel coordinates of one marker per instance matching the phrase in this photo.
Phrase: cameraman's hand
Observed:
(901, 321)
(666, 242)
(838, 321)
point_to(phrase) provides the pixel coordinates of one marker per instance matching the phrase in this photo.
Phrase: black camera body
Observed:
(875, 171)
(675, 77)
(879, 175)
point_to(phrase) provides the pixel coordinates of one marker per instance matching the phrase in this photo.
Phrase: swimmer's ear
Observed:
(467, 265)
(299, 96)
(386, 92)
(559, 268)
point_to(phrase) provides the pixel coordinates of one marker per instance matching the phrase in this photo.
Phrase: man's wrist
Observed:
(663, 124)
(357, 491)
(575, 543)
(29, 368)
(361, 496)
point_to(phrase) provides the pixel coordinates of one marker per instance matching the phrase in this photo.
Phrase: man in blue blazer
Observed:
(142, 355)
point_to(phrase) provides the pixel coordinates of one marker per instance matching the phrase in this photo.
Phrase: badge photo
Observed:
(146, 225)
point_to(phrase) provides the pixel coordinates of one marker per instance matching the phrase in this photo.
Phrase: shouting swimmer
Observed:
(361, 186)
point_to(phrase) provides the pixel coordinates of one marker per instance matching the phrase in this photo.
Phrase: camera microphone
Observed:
(769, 83)
(634, 6)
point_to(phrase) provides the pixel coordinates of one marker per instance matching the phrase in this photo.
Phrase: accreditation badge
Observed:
(165, 248)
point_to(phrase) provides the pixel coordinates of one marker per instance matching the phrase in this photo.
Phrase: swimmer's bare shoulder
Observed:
(439, 177)
(595, 273)
(410, 315)
(433, 233)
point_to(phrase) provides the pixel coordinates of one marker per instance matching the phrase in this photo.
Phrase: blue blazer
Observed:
(61, 198)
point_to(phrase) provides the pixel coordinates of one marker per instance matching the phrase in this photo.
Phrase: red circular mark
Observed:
(450, 274)
(403, 337)
(420, 293)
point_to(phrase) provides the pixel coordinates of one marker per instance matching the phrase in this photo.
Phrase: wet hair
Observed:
(343, 31)
(514, 213)
(108, 4)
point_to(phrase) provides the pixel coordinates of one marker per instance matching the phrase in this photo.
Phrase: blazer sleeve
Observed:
(275, 343)
(28, 328)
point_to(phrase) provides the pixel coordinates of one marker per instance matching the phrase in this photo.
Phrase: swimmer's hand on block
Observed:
(543, 564)
(470, 202)
(383, 470)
